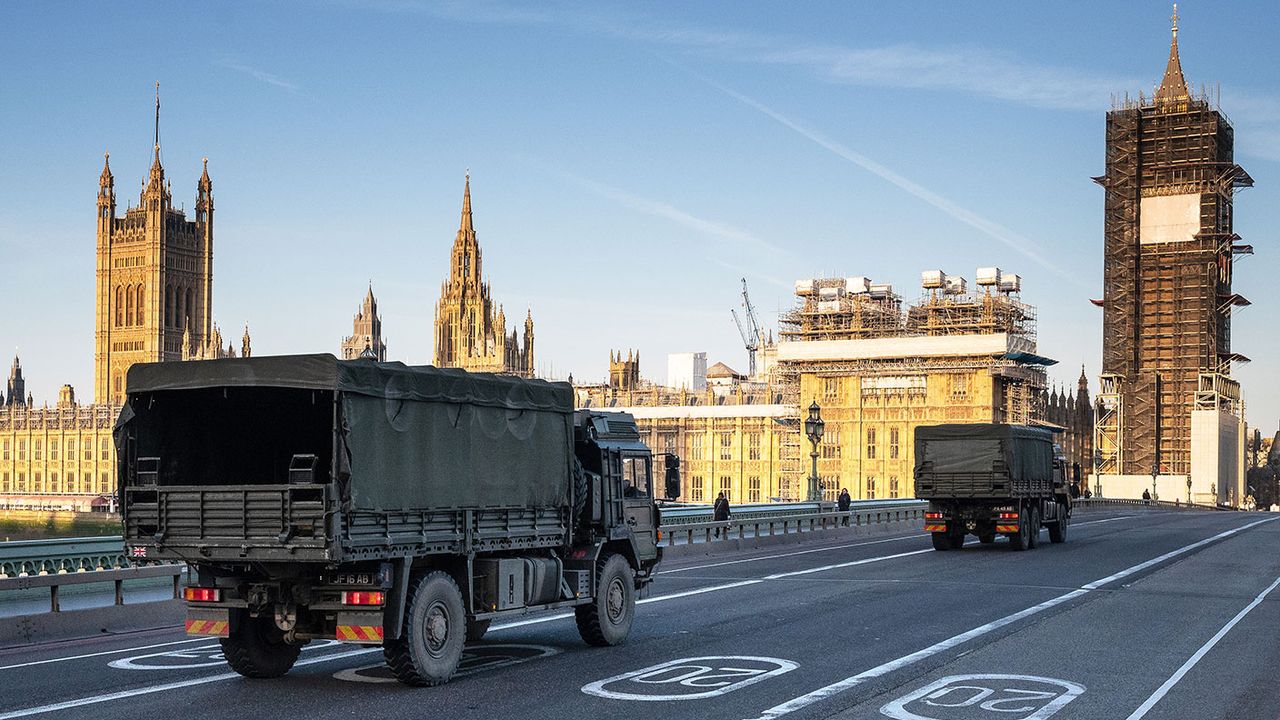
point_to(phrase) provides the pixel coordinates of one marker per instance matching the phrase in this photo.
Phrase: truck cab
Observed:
(621, 500)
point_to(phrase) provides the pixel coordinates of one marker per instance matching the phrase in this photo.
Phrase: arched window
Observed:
(179, 309)
(119, 306)
(141, 305)
(168, 306)
(71, 482)
(191, 313)
(128, 306)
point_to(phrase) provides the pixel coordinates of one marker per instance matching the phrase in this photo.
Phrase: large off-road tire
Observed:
(256, 649)
(1058, 530)
(1020, 540)
(476, 629)
(1034, 524)
(956, 538)
(941, 541)
(435, 631)
(607, 619)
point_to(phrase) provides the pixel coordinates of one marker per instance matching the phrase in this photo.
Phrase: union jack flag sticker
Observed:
(140, 551)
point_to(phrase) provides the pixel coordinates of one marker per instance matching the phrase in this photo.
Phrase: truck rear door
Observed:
(637, 502)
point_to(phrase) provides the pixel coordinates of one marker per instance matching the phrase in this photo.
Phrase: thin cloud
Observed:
(991, 229)
(261, 76)
(658, 208)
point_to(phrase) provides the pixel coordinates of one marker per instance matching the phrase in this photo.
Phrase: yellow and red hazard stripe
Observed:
(360, 633)
(935, 528)
(1006, 528)
(216, 628)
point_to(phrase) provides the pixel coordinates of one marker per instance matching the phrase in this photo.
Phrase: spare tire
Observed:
(581, 490)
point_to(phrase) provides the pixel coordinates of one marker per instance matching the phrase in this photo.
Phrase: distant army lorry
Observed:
(988, 480)
(378, 503)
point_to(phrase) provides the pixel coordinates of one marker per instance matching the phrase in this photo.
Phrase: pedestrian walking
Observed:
(720, 512)
(842, 502)
(1146, 497)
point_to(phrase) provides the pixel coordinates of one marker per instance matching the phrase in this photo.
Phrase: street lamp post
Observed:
(1155, 473)
(1097, 472)
(1188, 489)
(813, 427)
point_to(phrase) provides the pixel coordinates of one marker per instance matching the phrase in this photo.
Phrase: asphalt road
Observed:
(1139, 615)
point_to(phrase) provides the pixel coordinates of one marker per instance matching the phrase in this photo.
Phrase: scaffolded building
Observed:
(1169, 246)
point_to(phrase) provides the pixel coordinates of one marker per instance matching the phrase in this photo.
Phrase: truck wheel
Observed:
(257, 648)
(1058, 530)
(476, 629)
(1019, 540)
(607, 619)
(956, 539)
(434, 633)
(1033, 525)
(941, 541)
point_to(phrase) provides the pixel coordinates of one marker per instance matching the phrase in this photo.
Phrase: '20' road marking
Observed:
(693, 678)
(1012, 697)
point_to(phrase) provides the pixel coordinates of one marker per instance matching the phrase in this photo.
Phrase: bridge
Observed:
(1145, 612)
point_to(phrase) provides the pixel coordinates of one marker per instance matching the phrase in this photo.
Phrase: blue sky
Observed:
(629, 161)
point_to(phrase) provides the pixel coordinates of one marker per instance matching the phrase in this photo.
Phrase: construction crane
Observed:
(751, 331)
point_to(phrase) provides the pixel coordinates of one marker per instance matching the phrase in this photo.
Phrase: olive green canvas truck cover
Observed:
(405, 457)
(983, 460)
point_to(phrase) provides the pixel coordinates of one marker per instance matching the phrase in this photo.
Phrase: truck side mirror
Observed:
(672, 480)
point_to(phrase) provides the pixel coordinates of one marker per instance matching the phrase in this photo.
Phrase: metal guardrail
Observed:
(688, 513)
(735, 528)
(89, 577)
(1166, 504)
(40, 557)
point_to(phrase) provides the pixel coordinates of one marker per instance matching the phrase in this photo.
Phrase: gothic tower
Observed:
(17, 386)
(154, 276)
(1168, 253)
(469, 333)
(366, 333)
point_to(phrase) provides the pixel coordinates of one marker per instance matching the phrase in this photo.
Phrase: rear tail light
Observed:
(933, 516)
(362, 597)
(1008, 516)
(199, 594)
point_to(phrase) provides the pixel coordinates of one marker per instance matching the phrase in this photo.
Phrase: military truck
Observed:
(378, 503)
(988, 480)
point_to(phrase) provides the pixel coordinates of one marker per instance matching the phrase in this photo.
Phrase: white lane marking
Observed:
(1095, 522)
(823, 693)
(149, 689)
(851, 563)
(843, 547)
(1164, 689)
(99, 654)
(475, 659)
(208, 655)
(706, 677)
(793, 554)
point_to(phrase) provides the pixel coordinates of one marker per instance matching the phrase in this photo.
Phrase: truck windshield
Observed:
(635, 476)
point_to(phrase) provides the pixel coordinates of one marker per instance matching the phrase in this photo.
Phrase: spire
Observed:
(205, 182)
(155, 182)
(105, 177)
(466, 225)
(246, 348)
(1173, 87)
(157, 160)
